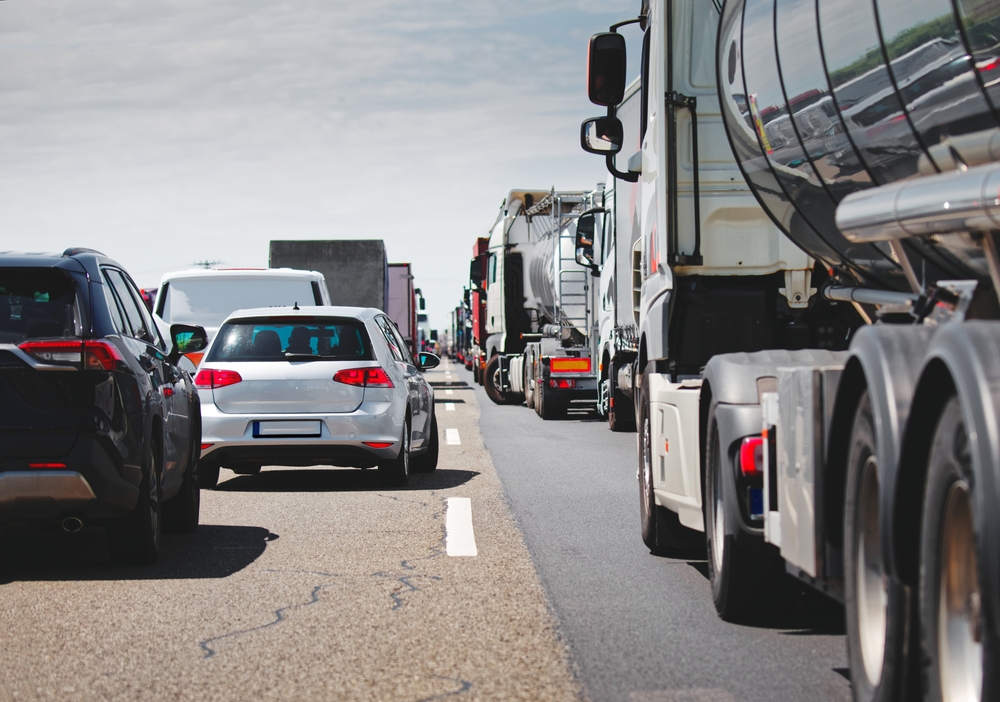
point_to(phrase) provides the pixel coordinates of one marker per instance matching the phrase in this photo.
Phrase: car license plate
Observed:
(756, 503)
(310, 427)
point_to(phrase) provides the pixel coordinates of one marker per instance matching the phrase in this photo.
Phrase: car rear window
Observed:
(292, 339)
(37, 303)
(208, 301)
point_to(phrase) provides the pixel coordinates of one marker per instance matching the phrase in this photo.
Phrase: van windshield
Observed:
(208, 301)
(37, 303)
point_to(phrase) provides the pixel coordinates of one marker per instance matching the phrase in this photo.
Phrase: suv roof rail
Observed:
(79, 250)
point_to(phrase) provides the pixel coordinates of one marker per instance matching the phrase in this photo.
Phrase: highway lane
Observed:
(642, 628)
(300, 584)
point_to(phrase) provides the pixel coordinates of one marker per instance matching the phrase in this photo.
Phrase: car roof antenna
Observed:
(296, 305)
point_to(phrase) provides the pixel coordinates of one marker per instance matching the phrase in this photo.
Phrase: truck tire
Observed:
(428, 461)
(475, 371)
(491, 379)
(960, 662)
(396, 473)
(875, 614)
(746, 579)
(662, 531)
(135, 538)
(548, 406)
(621, 412)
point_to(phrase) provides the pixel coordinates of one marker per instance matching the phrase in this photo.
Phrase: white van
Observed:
(207, 296)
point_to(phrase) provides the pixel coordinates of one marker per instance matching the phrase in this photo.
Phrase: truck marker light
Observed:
(54, 466)
(570, 365)
(752, 456)
(666, 446)
(562, 383)
(378, 444)
(211, 378)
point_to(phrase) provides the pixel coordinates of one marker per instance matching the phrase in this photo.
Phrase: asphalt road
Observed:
(642, 628)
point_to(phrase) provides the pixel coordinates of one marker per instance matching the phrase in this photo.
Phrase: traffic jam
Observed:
(780, 290)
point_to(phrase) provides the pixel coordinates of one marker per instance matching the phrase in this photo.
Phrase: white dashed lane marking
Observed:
(449, 392)
(451, 437)
(460, 539)
(449, 406)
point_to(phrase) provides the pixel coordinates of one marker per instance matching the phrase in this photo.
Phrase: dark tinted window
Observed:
(133, 315)
(37, 303)
(301, 337)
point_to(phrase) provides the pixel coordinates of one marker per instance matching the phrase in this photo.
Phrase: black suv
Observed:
(98, 425)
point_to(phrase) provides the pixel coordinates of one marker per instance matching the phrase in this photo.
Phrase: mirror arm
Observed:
(640, 20)
(627, 177)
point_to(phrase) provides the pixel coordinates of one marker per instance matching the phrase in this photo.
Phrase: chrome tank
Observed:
(823, 98)
(554, 253)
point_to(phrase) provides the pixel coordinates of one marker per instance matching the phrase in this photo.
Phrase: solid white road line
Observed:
(451, 437)
(460, 540)
(449, 406)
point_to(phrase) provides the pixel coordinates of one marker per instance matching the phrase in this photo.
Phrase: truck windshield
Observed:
(37, 303)
(208, 301)
(295, 339)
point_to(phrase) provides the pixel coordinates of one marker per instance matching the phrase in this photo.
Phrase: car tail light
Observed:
(51, 466)
(563, 383)
(364, 377)
(212, 378)
(91, 354)
(752, 456)
(206, 446)
(378, 444)
(569, 365)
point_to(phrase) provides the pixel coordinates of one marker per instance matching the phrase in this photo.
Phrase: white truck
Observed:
(818, 376)
(540, 303)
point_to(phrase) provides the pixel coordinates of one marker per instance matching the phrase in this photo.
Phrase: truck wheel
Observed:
(662, 532)
(875, 613)
(428, 462)
(135, 538)
(621, 412)
(549, 407)
(475, 371)
(396, 473)
(744, 577)
(959, 645)
(182, 511)
(492, 385)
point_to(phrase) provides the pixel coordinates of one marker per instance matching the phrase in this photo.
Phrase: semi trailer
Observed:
(540, 302)
(817, 378)
(477, 304)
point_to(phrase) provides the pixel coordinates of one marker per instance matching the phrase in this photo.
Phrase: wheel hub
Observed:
(871, 584)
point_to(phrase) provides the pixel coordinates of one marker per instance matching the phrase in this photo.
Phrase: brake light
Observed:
(563, 383)
(378, 444)
(206, 446)
(92, 354)
(569, 365)
(52, 466)
(363, 377)
(752, 456)
(212, 378)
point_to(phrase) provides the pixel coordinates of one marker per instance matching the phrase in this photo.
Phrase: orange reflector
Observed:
(56, 466)
(195, 357)
(378, 444)
(570, 365)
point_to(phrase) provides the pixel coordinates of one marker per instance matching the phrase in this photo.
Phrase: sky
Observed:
(169, 133)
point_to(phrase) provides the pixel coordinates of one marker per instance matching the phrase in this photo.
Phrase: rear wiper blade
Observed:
(312, 357)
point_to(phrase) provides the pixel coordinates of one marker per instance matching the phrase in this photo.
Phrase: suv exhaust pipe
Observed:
(72, 524)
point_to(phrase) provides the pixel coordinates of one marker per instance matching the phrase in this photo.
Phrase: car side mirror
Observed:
(586, 225)
(606, 69)
(602, 135)
(186, 338)
(426, 360)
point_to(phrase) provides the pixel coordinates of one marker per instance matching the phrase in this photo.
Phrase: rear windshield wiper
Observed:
(316, 357)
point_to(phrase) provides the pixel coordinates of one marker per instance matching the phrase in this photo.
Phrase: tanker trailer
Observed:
(868, 132)
(540, 304)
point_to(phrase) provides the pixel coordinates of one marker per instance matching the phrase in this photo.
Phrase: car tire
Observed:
(621, 412)
(396, 473)
(956, 661)
(208, 475)
(135, 538)
(181, 512)
(244, 469)
(428, 461)
(661, 529)
(874, 612)
(746, 580)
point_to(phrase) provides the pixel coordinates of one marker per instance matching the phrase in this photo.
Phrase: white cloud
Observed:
(179, 131)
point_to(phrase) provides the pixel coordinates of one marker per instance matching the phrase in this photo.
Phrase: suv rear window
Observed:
(37, 303)
(298, 339)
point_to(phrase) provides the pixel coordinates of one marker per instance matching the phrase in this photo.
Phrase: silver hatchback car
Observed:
(310, 386)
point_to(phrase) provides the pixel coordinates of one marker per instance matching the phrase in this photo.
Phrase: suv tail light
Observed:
(752, 456)
(90, 354)
(212, 378)
(363, 377)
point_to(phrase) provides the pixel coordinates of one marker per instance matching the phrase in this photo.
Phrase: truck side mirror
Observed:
(476, 274)
(602, 135)
(586, 224)
(606, 69)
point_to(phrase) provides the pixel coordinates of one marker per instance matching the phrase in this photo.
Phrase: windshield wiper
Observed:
(314, 357)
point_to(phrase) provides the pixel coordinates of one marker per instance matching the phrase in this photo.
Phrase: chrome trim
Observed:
(60, 485)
